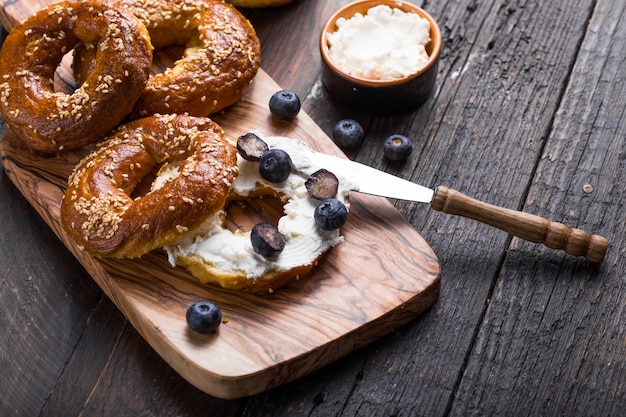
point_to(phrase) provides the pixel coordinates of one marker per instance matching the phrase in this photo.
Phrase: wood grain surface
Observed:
(382, 276)
(528, 113)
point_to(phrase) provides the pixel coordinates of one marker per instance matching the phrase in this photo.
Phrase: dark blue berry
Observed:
(330, 214)
(204, 317)
(275, 165)
(348, 133)
(267, 240)
(251, 147)
(285, 105)
(397, 148)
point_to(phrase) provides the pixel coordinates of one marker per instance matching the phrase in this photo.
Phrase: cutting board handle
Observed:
(523, 225)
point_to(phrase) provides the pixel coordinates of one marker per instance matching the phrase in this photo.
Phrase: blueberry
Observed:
(397, 148)
(285, 104)
(330, 214)
(251, 147)
(322, 184)
(204, 317)
(267, 240)
(348, 133)
(275, 165)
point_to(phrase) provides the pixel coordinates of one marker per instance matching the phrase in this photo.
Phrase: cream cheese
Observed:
(305, 242)
(384, 44)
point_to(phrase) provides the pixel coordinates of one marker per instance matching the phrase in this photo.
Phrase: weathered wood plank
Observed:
(137, 381)
(42, 287)
(557, 323)
(89, 358)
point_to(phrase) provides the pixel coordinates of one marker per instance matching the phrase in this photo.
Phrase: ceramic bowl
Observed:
(380, 96)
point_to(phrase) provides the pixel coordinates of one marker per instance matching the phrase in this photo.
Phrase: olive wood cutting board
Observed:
(382, 276)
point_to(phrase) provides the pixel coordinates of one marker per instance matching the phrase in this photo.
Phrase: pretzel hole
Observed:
(164, 58)
(64, 81)
(145, 184)
(170, 46)
(242, 215)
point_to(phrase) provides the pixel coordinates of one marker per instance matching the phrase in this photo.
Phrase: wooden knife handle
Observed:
(523, 225)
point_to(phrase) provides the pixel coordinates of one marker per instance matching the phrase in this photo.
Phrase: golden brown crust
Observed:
(221, 58)
(98, 208)
(50, 121)
(237, 280)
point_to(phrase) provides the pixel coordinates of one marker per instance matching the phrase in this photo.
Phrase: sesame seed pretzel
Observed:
(49, 121)
(221, 57)
(104, 208)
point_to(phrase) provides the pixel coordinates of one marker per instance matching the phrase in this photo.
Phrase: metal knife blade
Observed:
(372, 181)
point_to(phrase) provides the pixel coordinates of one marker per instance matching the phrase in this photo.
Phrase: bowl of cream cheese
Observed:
(380, 56)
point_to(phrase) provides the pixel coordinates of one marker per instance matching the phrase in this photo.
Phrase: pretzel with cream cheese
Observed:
(214, 254)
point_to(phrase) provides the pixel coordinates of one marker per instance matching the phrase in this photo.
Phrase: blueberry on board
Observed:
(275, 165)
(285, 104)
(330, 214)
(348, 133)
(203, 317)
(397, 148)
(251, 147)
(322, 184)
(267, 240)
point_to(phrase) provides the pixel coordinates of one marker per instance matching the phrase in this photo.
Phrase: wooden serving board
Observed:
(381, 277)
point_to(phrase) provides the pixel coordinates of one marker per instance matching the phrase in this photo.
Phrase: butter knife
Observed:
(526, 226)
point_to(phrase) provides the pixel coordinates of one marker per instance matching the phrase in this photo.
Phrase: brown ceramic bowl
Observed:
(380, 96)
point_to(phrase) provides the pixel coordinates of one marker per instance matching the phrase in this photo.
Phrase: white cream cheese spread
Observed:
(384, 44)
(230, 251)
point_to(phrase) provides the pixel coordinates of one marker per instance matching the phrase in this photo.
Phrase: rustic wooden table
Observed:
(529, 112)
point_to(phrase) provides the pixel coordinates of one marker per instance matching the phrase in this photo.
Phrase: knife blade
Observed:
(526, 226)
(373, 181)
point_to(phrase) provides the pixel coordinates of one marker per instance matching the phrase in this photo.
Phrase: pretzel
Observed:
(104, 209)
(216, 255)
(221, 57)
(49, 121)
